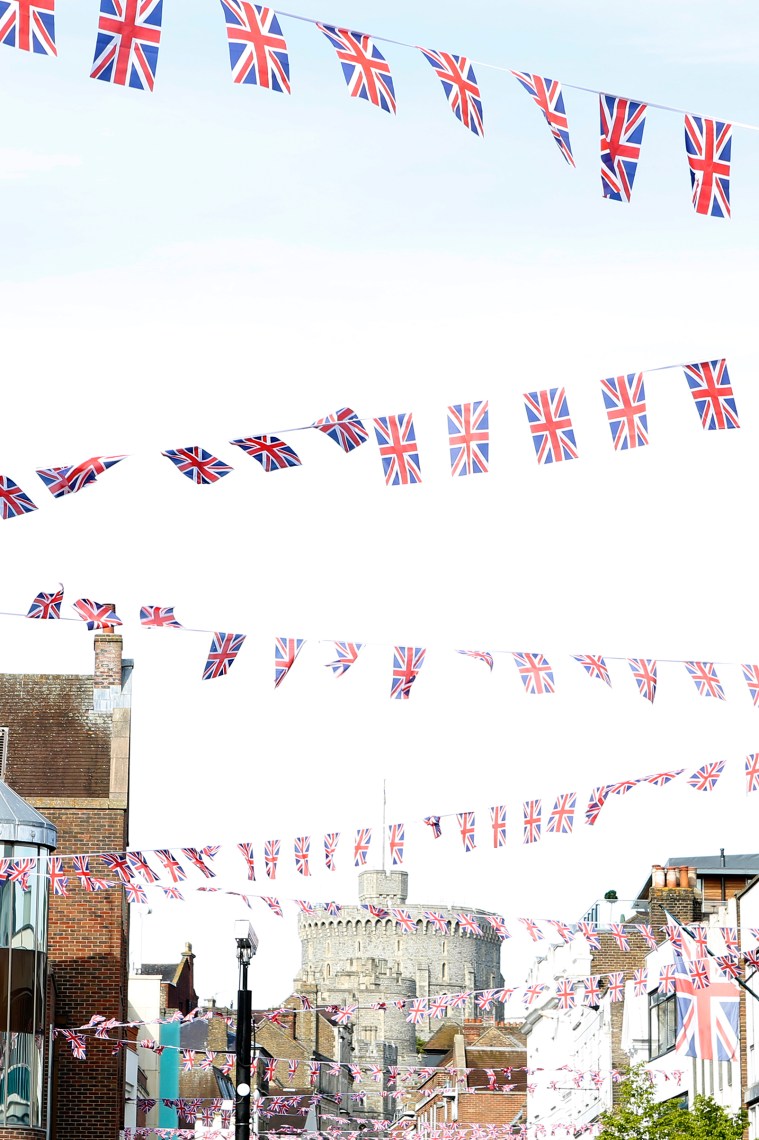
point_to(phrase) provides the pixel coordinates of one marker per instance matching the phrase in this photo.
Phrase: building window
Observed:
(662, 1024)
(358, 947)
(444, 970)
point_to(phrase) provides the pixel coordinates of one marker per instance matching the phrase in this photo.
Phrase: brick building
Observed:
(65, 743)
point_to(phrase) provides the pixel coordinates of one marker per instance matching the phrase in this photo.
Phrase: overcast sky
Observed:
(211, 261)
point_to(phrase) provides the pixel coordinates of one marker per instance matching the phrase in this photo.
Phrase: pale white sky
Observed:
(210, 262)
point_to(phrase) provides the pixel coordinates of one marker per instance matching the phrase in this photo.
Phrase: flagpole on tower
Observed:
(384, 822)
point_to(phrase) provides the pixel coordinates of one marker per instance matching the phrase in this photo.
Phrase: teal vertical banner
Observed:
(169, 1083)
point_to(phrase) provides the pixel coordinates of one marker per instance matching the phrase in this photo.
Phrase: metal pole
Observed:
(244, 1018)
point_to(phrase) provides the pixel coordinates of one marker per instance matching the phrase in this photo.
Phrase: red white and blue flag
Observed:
(437, 920)
(56, 479)
(596, 801)
(198, 859)
(403, 919)
(708, 144)
(222, 654)
(407, 661)
(172, 866)
(58, 881)
(286, 650)
(257, 48)
(344, 427)
(397, 834)
(712, 392)
(594, 666)
(347, 654)
(198, 464)
(271, 857)
(532, 814)
(661, 779)
(48, 606)
(331, 840)
(466, 820)
(499, 926)
(468, 923)
(550, 425)
(88, 881)
(565, 994)
(646, 932)
(13, 501)
(705, 679)
(83, 474)
(562, 817)
(366, 71)
(417, 1011)
(469, 438)
(498, 823)
(248, 856)
(28, 25)
(616, 981)
(98, 615)
(398, 449)
(705, 778)
(117, 862)
(275, 907)
(591, 990)
(159, 617)
(625, 403)
(645, 673)
(141, 866)
(456, 74)
(707, 1015)
(622, 123)
(129, 36)
(548, 95)
(751, 677)
(618, 933)
(433, 822)
(589, 931)
(752, 772)
(563, 929)
(271, 452)
(535, 671)
(478, 655)
(532, 929)
(302, 848)
(361, 846)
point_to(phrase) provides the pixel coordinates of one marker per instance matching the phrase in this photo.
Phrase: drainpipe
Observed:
(49, 1121)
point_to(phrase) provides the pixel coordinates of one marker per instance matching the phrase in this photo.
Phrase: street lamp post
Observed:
(247, 944)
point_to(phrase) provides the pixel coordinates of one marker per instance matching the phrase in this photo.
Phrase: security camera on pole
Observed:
(247, 944)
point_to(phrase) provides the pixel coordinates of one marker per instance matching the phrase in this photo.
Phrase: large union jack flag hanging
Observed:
(28, 25)
(222, 654)
(622, 123)
(548, 96)
(712, 391)
(347, 655)
(13, 501)
(705, 778)
(705, 679)
(129, 35)
(532, 813)
(48, 606)
(344, 427)
(98, 615)
(286, 650)
(198, 464)
(456, 74)
(625, 403)
(708, 144)
(407, 661)
(535, 671)
(550, 424)
(594, 666)
(751, 677)
(468, 438)
(271, 452)
(562, 817)
(366, 71)
(159, 617)
(707, 1017)
(397, 445)
(257, 48)
(644, 671)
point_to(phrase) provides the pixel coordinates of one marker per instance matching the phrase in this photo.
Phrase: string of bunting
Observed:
(442, 1132)
(548, 419)
(129, 38)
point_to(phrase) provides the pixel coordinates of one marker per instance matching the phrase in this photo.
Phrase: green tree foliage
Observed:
(638, 1117)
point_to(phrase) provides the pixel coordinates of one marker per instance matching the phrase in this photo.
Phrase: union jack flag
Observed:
(403, 919)
(535, 671)
(532, 810)
(456, 74)
(271, 857)
(532, 993)
(468, 923)
(705, 679)
(56, 479)
(563, 929)
(752, 959)
(433, 822)
(498, 924)
(661, 779)
(616, 982)
(592, 991)
(468, 438)
(188, 1060)
(566, 994)
(257, 48)
(13, 501)
(562, 817)
(407, 661)
(198, 464)
(28, 25)
(548, 96)
(617, 931)
(302, 847)
(366, 71)
(698, 973)
(347, 654)
(197, 858)
(273, 905)
(361, 846)
(172, 866)
(550, 424)
(159, 617)
(752, 772)
(644, 671)
(330, 847)
(344, 427)
(622, 123)
(674, 932)
(345, 1013)
(708, 144)
(478, 655)
(83, 474)
(305, 907)
(332, 908)
(532, 928)
(712, 391)
(286, 650)
(397, 839)
(640, 982)
(247, 853)
(98, 615)
(625, 403)
(77, 1042)
(142, 867)
(58, 881)
(751, 676)
(729, 965)
(418, 1011)
(271, 452)
(374, 910)
(594, 666)
(314, 1068)
(498, 823)
(89, 881)
(129, 35)
(596, 801)
(120, 864)
(730, 935)
(589, 931)
(397, 446)
(466, 825)
(705, 778)
(667, 980)
(486, 1000)
(437, 920)
(48, 606)
(622, 787)
(647, 933)
(222, 654)
(173, 893)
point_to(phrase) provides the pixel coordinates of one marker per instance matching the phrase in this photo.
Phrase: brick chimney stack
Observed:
(108, 648)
